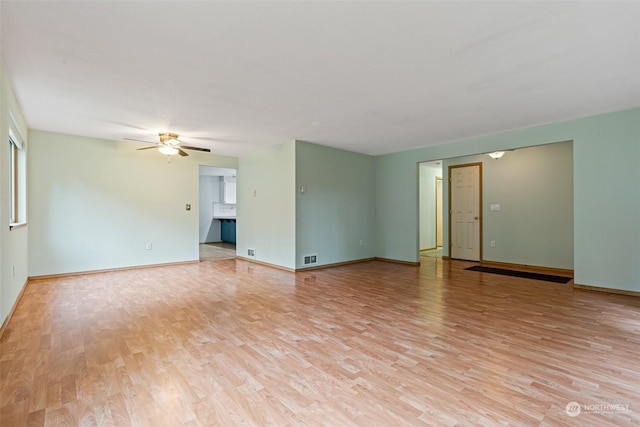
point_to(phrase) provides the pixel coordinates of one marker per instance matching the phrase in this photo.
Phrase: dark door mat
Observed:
(523, 274)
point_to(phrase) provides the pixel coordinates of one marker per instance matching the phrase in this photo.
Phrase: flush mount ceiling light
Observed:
(496, 154)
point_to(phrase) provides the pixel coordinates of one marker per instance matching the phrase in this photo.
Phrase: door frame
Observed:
(439, 231)
(480, 216)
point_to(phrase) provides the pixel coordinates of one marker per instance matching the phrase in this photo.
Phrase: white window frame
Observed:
(17, 180)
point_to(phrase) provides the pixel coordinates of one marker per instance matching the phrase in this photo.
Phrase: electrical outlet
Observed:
(361, 242)
(251, 253)
(187, 207)
(149, 246)
(493, 243)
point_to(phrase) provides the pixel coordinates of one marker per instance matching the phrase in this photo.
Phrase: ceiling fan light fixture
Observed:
(170, 145)
(166, 137)
(496, 154)
(168, 150)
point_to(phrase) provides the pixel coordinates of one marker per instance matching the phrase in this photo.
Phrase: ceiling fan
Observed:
(169, 144)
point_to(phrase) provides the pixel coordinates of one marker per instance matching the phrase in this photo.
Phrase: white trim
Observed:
(14, 133)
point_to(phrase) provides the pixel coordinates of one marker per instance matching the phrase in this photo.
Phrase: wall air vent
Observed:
(310, 259)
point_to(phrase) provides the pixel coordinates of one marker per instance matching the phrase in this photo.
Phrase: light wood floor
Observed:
(216, 251)
(374, 344)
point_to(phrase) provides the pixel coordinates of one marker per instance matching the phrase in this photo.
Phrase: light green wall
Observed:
(427, 205)
(95, 204)
(13, 243)
(606, 212)
(336, 212)
(266, 220)
(607, 205)
(534, 187)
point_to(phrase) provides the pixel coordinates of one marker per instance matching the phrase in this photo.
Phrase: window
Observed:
(13, 167)
(17, 176)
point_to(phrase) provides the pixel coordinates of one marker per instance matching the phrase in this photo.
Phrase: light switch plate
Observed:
(495, 207)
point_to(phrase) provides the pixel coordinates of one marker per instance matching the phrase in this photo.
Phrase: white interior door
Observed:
(465, 211)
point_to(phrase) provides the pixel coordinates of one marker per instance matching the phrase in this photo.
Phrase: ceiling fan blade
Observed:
(147, 148)
(182, 153)
(140, 140)
(187, 147)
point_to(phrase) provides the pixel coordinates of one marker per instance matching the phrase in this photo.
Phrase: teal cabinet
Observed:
(228, 230)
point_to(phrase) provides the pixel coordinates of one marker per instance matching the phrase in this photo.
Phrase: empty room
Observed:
(371, 213)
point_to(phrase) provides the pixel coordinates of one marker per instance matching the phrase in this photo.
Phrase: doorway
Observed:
(439, 224)
(465, 213)
(217, 213)
(430, 209)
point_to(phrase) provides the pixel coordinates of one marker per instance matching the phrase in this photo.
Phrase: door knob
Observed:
(475, 218)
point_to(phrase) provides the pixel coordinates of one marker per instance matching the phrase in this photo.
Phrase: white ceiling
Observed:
(371, 77)
(436, 164)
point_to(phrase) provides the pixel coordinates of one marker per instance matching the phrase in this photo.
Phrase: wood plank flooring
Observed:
(216, 251)
(374, 344)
